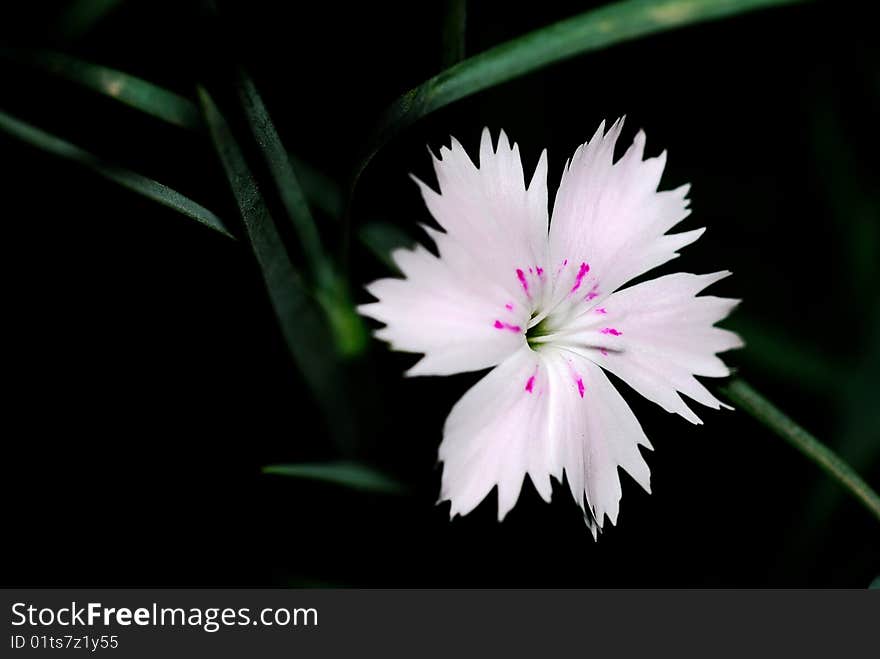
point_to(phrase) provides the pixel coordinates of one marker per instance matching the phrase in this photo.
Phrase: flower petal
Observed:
(434, 312)
(595, 431)
(494, 228)
(609, 217)
(544, 413)
(496, 434)
(469, 308)
(657, 335)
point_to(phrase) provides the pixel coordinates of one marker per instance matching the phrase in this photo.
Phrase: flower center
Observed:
(536, 332)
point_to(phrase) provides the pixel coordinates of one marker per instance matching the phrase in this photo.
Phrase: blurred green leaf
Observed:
(454, 23)
(321, 191)
(382, 239)
(875, 585)
(126, 178)
(776, 353)
(123, 87)
(348, 327)
(81, 16)
(857, 434)
(742, 394)
(853, 202)
(348, 474)
(303, 327)
(595, 29)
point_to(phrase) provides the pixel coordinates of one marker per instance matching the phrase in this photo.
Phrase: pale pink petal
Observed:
(609, 217)
(592, 431)
(657, 335)
(469, 308)
(494, 228)
(457, 326)
(544, 413)
(495, 435)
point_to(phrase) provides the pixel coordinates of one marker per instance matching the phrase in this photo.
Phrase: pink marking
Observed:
(522, 280)
(611, 331)
(539, 270)
(601, 310)
(576, 377)
(603, 351)
(565, 263)
(513, 328)
(509, 306)
(584, 269)
(530, 384)
(530, 271)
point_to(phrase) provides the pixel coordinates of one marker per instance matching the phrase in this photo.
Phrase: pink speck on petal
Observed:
(582, 271)
(530, 384)
(603, 351)
(580, 383)
(601, 310)
(509, 306)
(539, 270)
(565, 263)
(522, 280)
(513, 328)
(611, 331)
(593, 294)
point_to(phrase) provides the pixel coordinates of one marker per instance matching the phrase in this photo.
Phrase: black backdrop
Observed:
(146, 382)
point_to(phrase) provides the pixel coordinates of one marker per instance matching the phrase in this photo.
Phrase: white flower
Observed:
(544, 310)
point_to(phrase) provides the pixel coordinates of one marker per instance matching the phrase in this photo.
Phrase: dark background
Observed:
(147, 383)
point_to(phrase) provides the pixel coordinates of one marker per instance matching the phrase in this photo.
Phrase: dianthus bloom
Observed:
(545, 310)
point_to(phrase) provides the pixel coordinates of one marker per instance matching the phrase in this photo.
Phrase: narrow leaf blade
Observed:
(123, 87)
(301, 324)
(742, 394)
(592, 30)
(126, 178)
(282, 174)
(348, 327)
(353, 475)
(156, 101)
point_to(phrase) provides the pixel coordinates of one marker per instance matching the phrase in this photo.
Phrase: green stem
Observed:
(742, 394)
